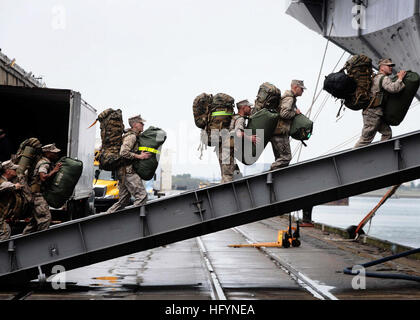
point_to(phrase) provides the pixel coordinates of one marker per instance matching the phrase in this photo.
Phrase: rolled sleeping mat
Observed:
(262, 124)
(301, 127)
(150, 140)
(60, 189)
(26, 159)
(397, 104)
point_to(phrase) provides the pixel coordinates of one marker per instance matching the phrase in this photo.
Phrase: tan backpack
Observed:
(212, 114)
(359, 68)
(201, 106)
(269, 97)
(112, 129)
(220, 112)
(27, 155)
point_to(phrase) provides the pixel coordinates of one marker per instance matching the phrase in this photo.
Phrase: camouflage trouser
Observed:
(373, 123)
(4, 230)
(129, 185)
(281, 150)
(41, 215)
(228, 166)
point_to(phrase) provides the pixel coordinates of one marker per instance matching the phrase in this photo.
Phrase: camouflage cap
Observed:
(50, 148)
(135, 119)
(298, 83)
(244, 103)
(386, 62)
(9, 165)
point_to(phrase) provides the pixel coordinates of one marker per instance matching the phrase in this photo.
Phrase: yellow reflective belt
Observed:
(221, 113)
(149, 149)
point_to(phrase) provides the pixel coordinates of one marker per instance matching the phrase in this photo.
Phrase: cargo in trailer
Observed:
(57, 116)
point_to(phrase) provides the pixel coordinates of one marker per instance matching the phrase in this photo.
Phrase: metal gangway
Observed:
(167, 220)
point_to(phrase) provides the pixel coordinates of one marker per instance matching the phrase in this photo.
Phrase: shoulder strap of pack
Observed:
(128, 133)
(380, 92)
(40, 163)
(380, 82)
(36, 183)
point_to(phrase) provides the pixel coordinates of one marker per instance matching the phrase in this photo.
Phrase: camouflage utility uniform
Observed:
(129, 182)
(280, 140)
(226, 151)
(373, 115)
(41, 215)
(6, 185)
(12, 199)
(5, 188)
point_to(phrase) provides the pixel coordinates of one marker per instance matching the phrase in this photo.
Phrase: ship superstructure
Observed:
(376, 28)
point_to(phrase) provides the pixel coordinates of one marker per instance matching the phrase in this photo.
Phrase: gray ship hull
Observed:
(376, 28)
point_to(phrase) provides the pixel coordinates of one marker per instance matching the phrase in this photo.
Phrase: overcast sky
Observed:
(153, 57)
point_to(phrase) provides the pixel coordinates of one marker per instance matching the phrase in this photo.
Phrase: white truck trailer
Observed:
(57, 116)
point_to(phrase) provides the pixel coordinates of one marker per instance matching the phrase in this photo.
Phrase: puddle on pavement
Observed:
(113, 283)
(110, 279)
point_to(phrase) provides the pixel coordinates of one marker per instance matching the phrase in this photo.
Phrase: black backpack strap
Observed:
(339, 110)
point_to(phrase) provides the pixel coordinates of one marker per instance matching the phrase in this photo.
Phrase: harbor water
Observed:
(397, 220)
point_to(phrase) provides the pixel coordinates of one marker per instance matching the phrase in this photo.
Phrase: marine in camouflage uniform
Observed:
(226, 150)
(373, 115)
(43, 171)
(8, 172)
(129, 182)
(287, 110)
(225, 155)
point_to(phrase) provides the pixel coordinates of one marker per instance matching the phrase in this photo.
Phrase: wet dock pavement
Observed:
(207, 268)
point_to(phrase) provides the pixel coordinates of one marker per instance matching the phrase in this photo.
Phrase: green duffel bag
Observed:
(262, 123)
(301, 127)
(150, 140)
(396, 105)
(60, 189)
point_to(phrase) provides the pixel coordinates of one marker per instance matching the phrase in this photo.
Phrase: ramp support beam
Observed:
(106, 236)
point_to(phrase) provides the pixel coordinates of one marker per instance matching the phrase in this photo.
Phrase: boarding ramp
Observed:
(106, 236)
